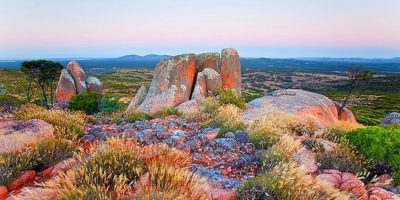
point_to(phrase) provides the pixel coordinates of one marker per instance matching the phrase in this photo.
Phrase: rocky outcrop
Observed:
(138, 99)
(231, 70)
(190, 77)
(208, 60)
(73, 81)
(200, 87)
(78, 75)
(213, 80)
(94, 85)
(16, 135)
(392, 118)
(172, 83)
(296, 102)
(66, 87)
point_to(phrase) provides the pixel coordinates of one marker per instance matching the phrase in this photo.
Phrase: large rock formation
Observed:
(172, 83)
(16, 135)
(138, 99)
(189, 77)
(296, 102)
(231, 70)
(73, 81)
(390, 119)
(78, 75)
(66, 87)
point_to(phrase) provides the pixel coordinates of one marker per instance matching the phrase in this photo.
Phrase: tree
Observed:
(358, 78)
(44, 73)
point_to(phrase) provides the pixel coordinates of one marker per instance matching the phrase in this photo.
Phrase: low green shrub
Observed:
(7, 102)
(230, 97)
(166, 112)
(40, 156)
(110, 104)
(137, 115)
(109, 168)
(379, 145)
(255, 188)
(87, 193)
(87, 102)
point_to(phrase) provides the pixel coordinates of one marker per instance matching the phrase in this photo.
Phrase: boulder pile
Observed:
(73, 81)
(189, 77)
(298, 102)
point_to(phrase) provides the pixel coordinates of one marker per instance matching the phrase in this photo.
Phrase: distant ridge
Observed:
(150, 57)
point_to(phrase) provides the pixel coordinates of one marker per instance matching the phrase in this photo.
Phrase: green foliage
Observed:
(50, 152)
(110, 168)
(41, 156)
(378, 144)
(87, 102)
(256, 188)
(230, 97)
(137, 115)
(8, 102)
(110, 104)
(87, 193)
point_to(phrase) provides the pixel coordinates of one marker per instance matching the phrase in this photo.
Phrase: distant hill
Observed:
(377, 65)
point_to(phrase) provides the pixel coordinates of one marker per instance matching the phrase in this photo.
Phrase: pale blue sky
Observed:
(267, 28)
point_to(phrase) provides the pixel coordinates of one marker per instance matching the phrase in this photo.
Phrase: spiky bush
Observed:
(208, 109)
(88, 102)
(266, 132)
(232, 97)
(110, 167)
(166, 155)
(227, 118)
(67, 125)
(169, 182)
(289, 181)
(342, 158)
(87, 193)
(40, 156)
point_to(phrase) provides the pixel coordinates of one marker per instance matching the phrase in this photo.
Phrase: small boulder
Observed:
(16, 135)
(94, 85)
(78, 75)
(213, 80)
(24, 179)
(241, 136)
(231, 70)
(66, 87)
(138, 99)
(208, 60)
(188, 107)
(200, 87)
(392, 118)
(172, 83)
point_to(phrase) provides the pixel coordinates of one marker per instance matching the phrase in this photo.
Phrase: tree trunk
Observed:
(43, 87)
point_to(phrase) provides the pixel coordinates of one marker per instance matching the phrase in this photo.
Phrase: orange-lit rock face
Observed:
(66, 87)
(172, 83)
(78, 75)
(297, 102)
(138, 99)
(208, 60)
(231, 69)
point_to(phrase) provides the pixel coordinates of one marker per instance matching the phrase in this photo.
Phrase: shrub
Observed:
(87, 102)
(67, 125)
(166, 155)
(86, 192)
(166, 112)
(289, 181)
(342, 158)
(137, 115)
(169, 182)
(110, 167)
(266, 132)
(110, 105)
(380, 145)
(255, 189)
(228, 119)
(40, 156)
(230, 97)
(208, 108)
(50, 152)
(7, 103)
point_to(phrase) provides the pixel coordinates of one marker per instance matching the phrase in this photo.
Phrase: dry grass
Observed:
(346, 126)
(67, 125)
(227, 118)
(168, 182)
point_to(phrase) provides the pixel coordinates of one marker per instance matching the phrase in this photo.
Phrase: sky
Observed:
(257, 28)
